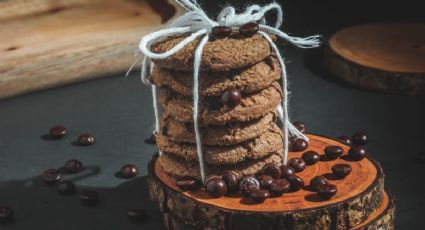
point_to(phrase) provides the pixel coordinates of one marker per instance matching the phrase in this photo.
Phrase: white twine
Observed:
(196, 64)
(196, 22)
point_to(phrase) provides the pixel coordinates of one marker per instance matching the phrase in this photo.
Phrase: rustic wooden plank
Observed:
(45, 43)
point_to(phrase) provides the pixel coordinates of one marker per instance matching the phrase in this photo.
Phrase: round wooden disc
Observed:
(382, 218)
(358, 196)
(389, 57)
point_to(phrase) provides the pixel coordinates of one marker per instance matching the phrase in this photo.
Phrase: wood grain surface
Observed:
(45, 43)
(358, 196)
(384, 57)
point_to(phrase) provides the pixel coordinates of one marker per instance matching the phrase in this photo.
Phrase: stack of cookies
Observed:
(239, 92)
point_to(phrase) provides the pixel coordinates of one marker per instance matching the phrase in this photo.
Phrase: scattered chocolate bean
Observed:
(272, 170)
(265, 181)
(344, 139)
(66, 188)
(297, 163)
(359, 138)
(280, 186)
(247, 184)
(299, 145)
(341, 170)
(249, 29)
(89, 197)
(51, 176)
(216, 187)
(357, 153)
(260, 195)
(333, 152)
(231, 97)
(252, 189)
(151, 140)
(311, 157)
(296, 182)
(187, 183)
(137, 214)
(300, 126)
(221, 31)
(129, 171)
(73, 166)
(316, 181)
(286, 171)
(6, 214)
(231, 181)
(58, 131)
(326, 191)
(85, 139)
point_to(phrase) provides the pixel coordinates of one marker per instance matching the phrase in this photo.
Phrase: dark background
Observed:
(118, 112)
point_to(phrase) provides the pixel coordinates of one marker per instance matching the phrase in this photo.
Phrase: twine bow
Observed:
(197, 23)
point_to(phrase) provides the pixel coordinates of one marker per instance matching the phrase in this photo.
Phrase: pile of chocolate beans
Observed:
(274, 180)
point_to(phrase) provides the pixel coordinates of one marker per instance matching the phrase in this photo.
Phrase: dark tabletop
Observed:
(118, 112)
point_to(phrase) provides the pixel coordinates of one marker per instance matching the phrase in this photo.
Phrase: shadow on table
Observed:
(39, 206)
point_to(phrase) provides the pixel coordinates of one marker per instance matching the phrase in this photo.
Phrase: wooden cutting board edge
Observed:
(96, 59)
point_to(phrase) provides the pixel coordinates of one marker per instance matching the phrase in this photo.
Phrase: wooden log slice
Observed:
(382, 218)
(383, 57)
(358, 196)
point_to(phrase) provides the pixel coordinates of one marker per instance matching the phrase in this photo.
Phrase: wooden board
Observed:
(381, 219)
(383, 57)
(46, 43)
(359, 195)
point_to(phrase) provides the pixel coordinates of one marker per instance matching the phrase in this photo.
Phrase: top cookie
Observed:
(233, 52)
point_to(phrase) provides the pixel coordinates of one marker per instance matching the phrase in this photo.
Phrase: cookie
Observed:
(266, 144)
(247, 80)
(233, 52)
(211, 111)
(228, 134)
(178, 168)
